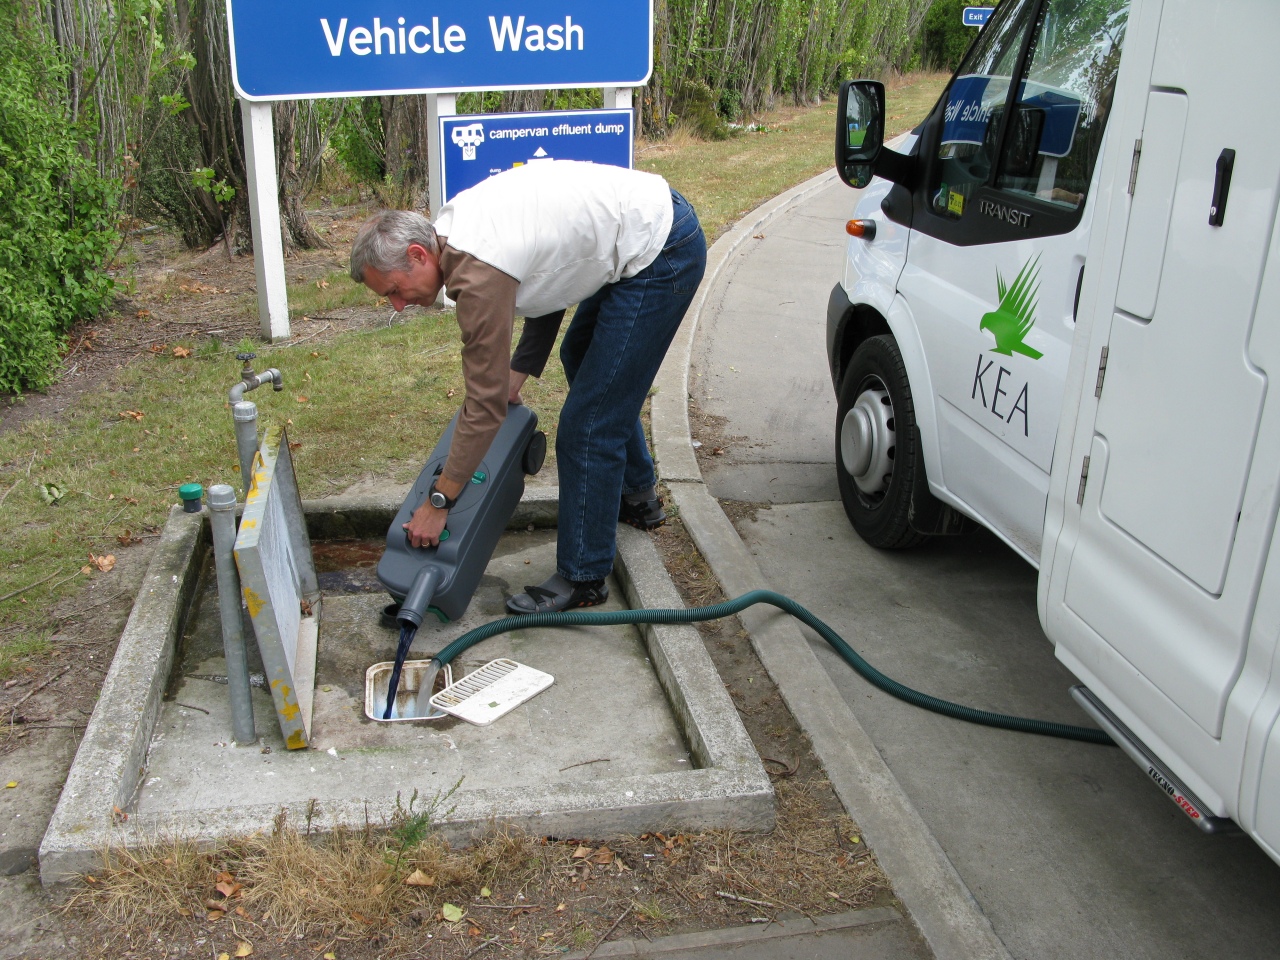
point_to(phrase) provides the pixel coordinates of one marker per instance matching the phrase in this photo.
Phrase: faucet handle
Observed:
(246, 357)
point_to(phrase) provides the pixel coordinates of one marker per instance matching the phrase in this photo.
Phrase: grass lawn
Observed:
(79, 489)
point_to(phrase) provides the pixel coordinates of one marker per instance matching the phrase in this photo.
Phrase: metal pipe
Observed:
(255, 380)
(245, 414)
(222, 512)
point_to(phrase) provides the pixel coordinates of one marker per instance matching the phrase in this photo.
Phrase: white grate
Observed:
(495, 689)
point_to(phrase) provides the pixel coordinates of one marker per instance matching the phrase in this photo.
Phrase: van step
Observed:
(1187, 801)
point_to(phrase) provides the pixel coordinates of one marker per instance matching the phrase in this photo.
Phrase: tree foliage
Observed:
(56, 209)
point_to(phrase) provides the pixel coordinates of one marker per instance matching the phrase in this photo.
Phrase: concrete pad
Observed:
(606, 706)
(648, 701)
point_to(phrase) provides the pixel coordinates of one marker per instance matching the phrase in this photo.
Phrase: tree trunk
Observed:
(404, 125)
(295, 229)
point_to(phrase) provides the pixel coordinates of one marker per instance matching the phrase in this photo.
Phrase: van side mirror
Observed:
(859, 130)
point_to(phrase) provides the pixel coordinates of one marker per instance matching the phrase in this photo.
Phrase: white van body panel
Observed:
(1160, 586)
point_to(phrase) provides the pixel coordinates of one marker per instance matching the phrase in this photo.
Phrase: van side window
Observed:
(1056, 127)
(975, 104)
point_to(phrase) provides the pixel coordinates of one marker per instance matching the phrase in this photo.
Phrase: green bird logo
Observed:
(1010, 322)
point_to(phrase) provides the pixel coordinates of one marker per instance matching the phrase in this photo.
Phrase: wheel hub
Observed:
(867, 441)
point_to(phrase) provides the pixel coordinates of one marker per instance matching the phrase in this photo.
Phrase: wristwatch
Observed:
(439, 500)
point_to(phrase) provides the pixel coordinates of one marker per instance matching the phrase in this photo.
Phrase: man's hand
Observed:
(425, 525)
(427, 522)
(517, 381)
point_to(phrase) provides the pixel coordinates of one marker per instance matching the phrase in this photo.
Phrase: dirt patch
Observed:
(202, 298)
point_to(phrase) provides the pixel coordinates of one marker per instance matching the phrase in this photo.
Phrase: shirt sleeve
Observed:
(486, 304)
(536, 340)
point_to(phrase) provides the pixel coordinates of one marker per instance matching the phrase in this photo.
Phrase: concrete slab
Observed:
(649, 701)
(605, 708)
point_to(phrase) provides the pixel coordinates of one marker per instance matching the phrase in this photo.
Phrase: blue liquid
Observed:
(407, 632)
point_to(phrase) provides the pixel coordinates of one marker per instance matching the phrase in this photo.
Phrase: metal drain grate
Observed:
(497, 688)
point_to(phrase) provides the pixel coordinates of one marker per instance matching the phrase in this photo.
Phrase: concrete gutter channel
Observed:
(924, 879)
(726, 787)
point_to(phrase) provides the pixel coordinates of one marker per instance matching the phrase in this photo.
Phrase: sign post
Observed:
(264, 213)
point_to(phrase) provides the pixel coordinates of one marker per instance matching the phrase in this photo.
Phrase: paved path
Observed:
(1065, 847)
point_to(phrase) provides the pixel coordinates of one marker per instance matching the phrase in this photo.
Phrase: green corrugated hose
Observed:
(603, 618)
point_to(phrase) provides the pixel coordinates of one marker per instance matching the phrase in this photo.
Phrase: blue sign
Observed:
(302, 49)
(478, 146)
(972, 99)
(976, 16)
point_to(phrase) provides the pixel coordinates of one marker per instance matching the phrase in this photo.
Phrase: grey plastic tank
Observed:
(443, 579)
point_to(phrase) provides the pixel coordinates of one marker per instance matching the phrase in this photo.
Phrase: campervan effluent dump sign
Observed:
(303, 49)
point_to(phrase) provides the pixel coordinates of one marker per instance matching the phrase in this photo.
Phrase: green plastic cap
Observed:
(444, 535)
(191, 491)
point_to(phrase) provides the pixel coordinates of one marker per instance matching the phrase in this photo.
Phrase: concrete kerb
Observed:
(729, 787)
(924, 879)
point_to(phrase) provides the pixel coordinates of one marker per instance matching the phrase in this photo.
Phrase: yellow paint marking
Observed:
(296, 740)
(253, 601)
(248, 525)
(290, 712)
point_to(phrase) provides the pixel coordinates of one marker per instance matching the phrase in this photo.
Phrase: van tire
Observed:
(876, 434)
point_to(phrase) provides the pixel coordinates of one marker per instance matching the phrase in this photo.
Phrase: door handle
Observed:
(1221, 187)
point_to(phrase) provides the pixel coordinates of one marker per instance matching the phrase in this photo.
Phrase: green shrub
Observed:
(56, 212)
(944, 39)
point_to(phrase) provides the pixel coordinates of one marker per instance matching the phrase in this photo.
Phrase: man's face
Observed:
(419, 284)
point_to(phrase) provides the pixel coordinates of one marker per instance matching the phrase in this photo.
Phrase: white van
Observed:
(1058, 318)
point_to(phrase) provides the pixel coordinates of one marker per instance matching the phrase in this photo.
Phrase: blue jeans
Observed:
(611, 354)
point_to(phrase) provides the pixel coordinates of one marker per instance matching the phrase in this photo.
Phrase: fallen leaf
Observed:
(158, 348)
(758, 236)
(143, 314)
(485, 892)
(118, 814)
(474, 931)
(105, 563)
(127, 539)
(303, 399)
(603, 855)
(86, 569)
(137, 449)
(304, 608)
(181, 352)
(131, 415)
(315, 353)
(244, 949)
(322, 284)
(295, 444)
(451, 913)
(560, 908)
(229, 888)
(184, 911)
(132, 500)
(419, 879)
(224, 956)
(331, 956)
(582, 853)
(213, 915)
(450, 393)
(11, 784)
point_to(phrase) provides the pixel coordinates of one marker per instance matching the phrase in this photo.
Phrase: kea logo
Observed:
(1013, 319)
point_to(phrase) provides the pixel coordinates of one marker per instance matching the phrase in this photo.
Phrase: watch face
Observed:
(439, 500)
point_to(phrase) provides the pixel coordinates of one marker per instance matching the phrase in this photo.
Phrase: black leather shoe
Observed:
(645, 515)
(589, 593)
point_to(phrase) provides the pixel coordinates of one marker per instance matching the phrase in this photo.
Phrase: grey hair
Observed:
(384, 240)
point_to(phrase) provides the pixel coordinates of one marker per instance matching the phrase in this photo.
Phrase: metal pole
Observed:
(222, 510)
(245, 413)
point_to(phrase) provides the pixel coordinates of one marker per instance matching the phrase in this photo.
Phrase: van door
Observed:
(1180, 497)
(1000, 224)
